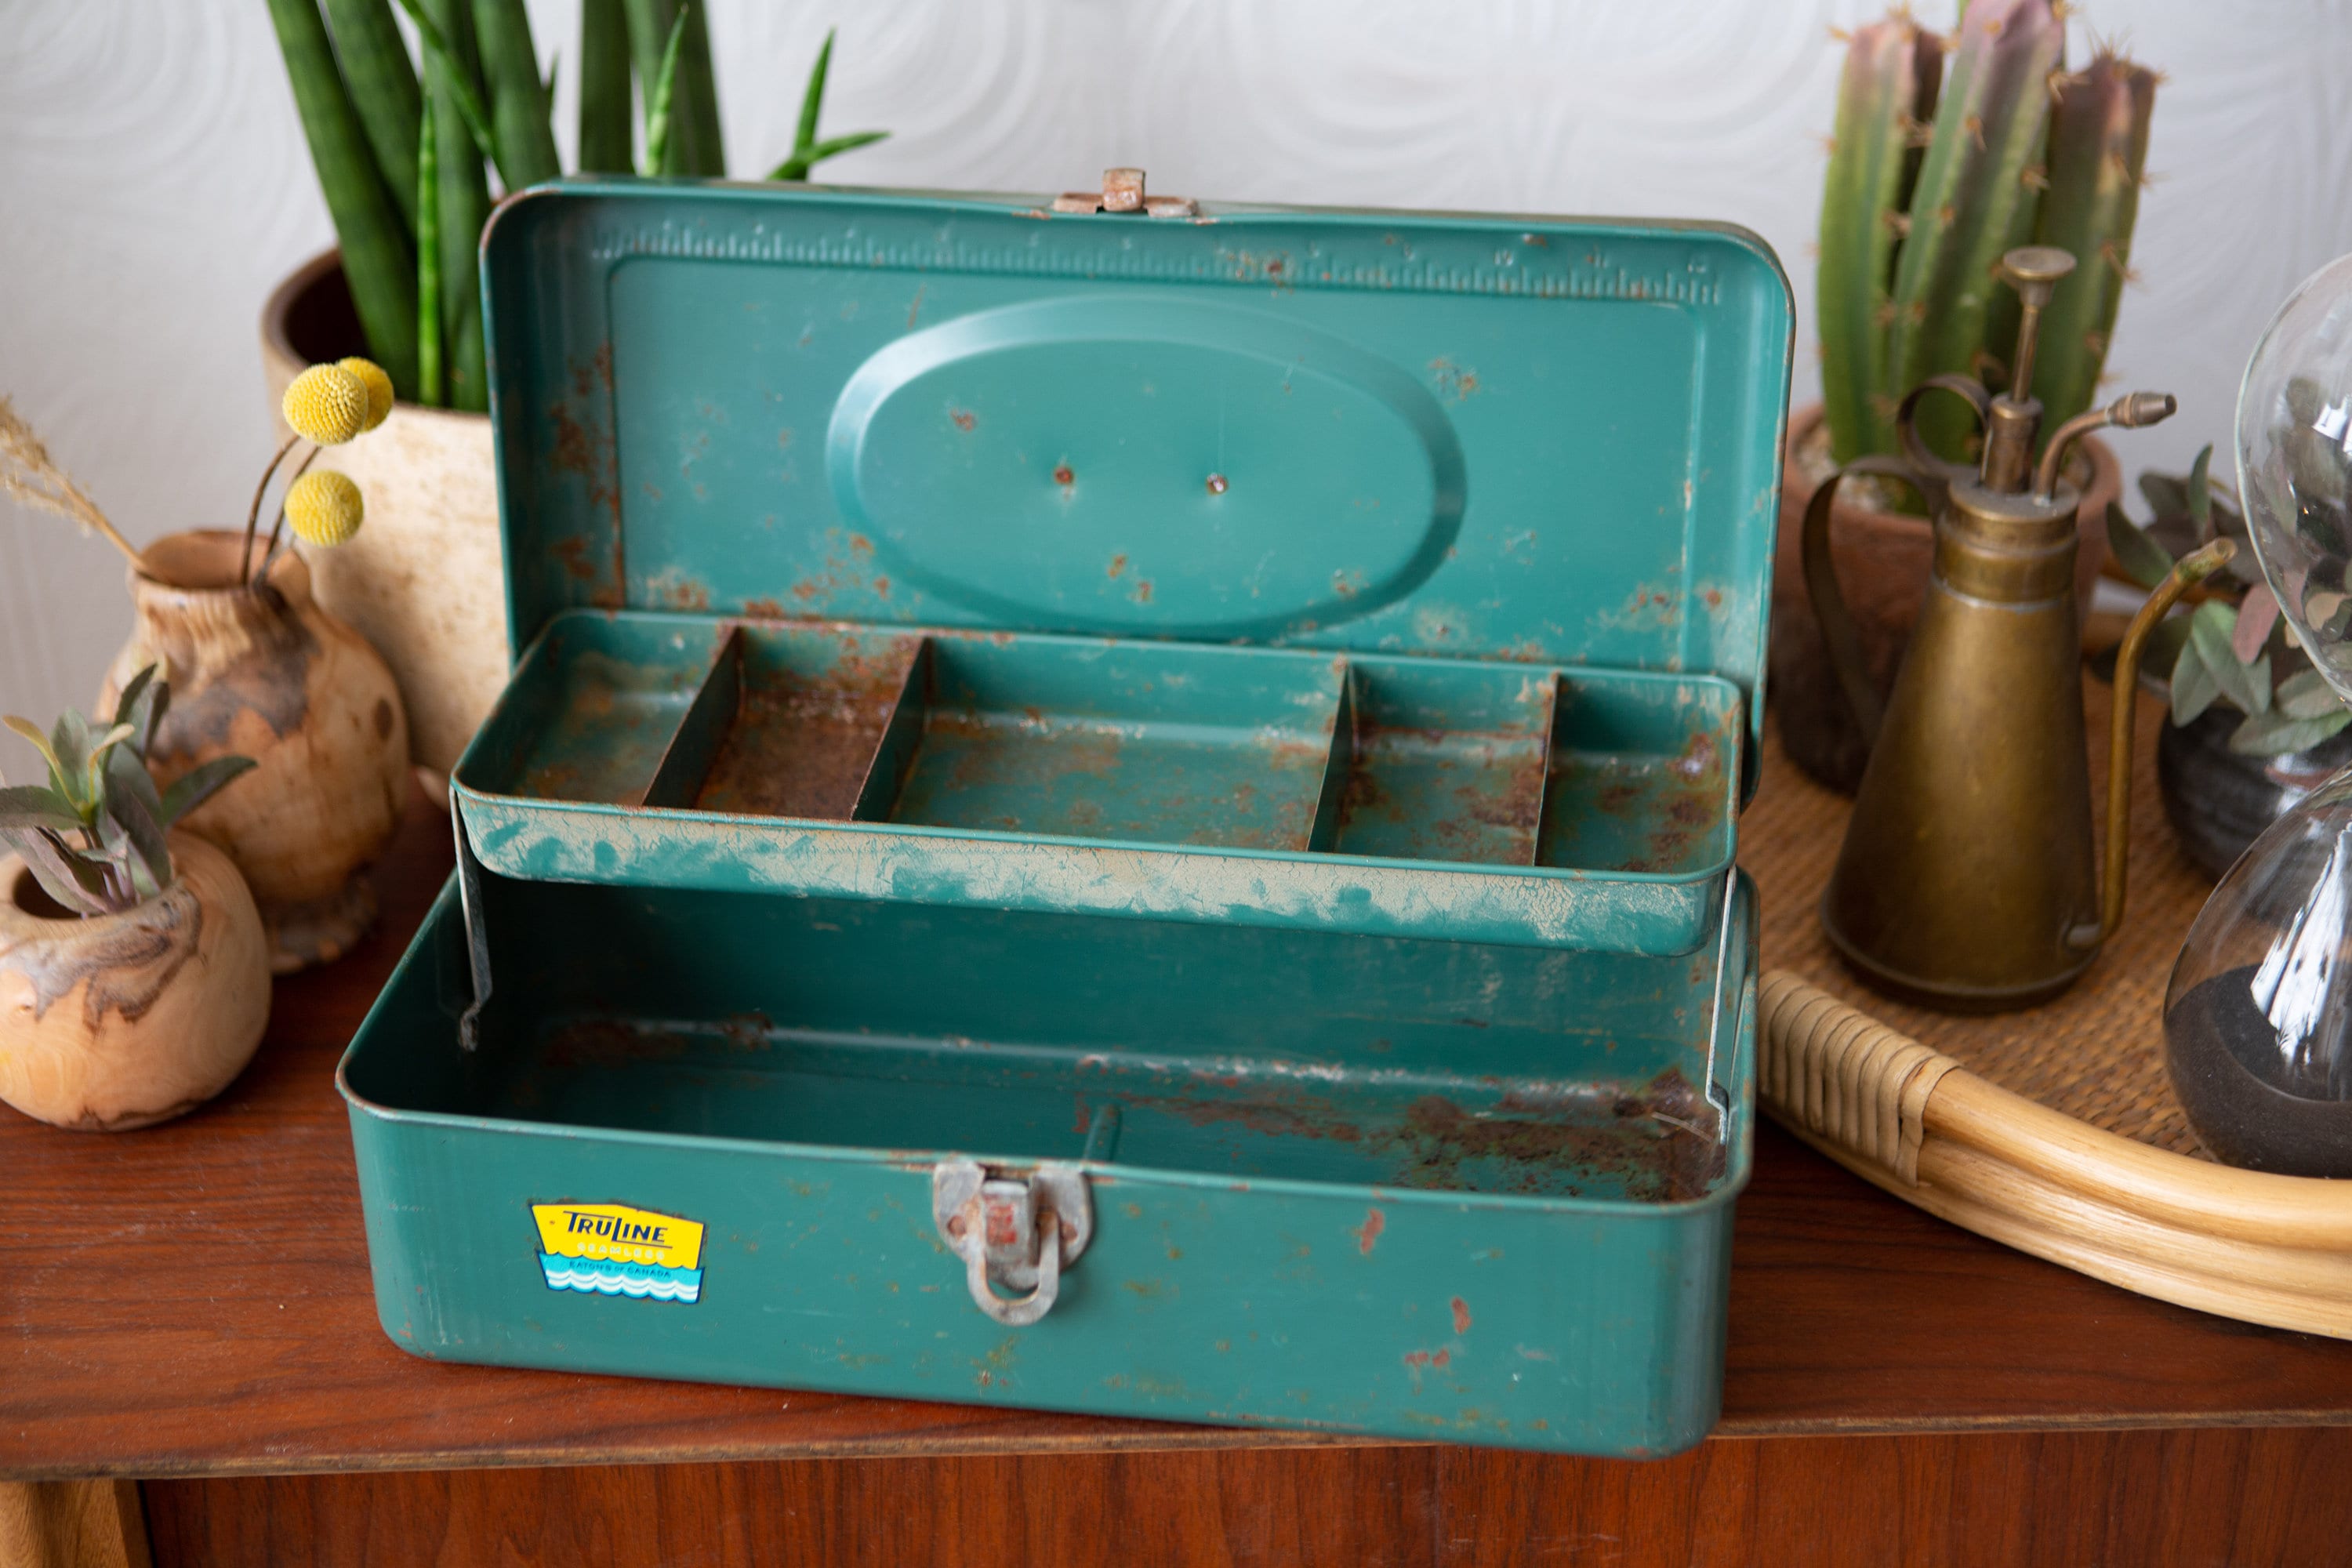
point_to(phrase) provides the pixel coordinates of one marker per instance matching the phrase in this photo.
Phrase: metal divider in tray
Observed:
(1475, 800)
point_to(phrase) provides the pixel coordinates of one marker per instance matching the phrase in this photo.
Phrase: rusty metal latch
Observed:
(1122, 192)
(1017, 1232)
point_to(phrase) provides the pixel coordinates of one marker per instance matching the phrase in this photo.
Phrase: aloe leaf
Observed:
(518, 108)
(377, 262)
(384, 92)
(2194, 690)
(659, 101)
(62, 872)
(431, 390)
(195, 786)
(606, 132)
(2097, 158)
(1990, 118)
(2143, 560)
(24, 806)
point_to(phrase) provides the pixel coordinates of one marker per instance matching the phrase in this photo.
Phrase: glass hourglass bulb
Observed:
(2258, 1016)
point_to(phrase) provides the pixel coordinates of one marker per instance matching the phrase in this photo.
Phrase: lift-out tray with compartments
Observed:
(1109, 811)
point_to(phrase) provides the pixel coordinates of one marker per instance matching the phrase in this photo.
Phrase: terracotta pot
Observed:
(426, 580)
(111, 1022)
(1883, 562)
(264, 672)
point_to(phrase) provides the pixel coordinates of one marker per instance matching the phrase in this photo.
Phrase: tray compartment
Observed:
(594, 710)
(1644, 775)
(1442, 761)
(805, 709)
(1138, 742)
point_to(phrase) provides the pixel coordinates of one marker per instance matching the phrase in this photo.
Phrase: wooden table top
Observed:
(194, 1299)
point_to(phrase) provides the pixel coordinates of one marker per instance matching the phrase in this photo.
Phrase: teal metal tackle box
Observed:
(1127, 811)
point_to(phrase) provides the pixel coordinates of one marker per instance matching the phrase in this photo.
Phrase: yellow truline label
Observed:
(619, 1234)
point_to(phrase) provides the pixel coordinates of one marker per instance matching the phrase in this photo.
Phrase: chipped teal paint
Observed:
(1251, 1262)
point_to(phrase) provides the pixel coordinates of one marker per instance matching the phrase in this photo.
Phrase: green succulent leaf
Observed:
(2167, 494)
(2162, 650)
(60, 779)
(2306, 695)
(2143, 560)
(192, 788)
(2274, 734)
(150, 858)
(68, 752)
(2194, 688)
(27, 806)
(63, 874)
(2199, 493)
(2246, 686)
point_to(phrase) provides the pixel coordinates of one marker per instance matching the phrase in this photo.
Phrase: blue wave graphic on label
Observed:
(612, 1249)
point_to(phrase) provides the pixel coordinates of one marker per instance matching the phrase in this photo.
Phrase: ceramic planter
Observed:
(2219, 800)
(423, 581)
(1883, 562)
(264, 672)
(111, 1022)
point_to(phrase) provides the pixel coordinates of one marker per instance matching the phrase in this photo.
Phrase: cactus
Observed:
(1915, 217)
(476, 99)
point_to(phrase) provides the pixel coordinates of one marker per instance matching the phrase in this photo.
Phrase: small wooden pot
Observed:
(264, 672)
(1883, 562)
(111, 1022)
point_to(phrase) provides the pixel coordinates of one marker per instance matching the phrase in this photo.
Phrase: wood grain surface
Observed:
(194, 1299)
(2185, 1500)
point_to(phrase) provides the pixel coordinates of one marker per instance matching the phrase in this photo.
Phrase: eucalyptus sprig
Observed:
(94, 837)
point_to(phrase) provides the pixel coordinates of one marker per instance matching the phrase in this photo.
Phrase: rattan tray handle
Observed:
(2272, 1249)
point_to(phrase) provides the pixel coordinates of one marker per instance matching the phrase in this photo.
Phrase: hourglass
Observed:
(2258, 1016)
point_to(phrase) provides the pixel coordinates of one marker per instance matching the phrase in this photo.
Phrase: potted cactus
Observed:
(409, 151)
(134, 980)
(1947, 152)
(2253, 727)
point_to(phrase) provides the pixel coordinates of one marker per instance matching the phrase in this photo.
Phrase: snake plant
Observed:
(1947, 152)
(406, 148)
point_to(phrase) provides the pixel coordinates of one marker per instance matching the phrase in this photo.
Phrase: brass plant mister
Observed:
(1966, 880)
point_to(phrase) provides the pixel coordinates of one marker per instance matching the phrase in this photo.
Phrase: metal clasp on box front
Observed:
(1013, 1231)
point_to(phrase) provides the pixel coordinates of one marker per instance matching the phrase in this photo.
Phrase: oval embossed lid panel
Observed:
(1489, 438)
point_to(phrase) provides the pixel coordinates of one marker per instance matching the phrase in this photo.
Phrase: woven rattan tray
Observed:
(2054, 1130)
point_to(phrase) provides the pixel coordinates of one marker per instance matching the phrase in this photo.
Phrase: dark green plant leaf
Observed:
(60, 780)
(2193, 687)
(429, 388)
(2165, 640)
(605, 131)
(2167, 494)
(70, 755)
(812, 98)
(457, 80)
(2143, 560)
(2198, 493)
(2306, 695)
(517, 96)
(127, 702)
(27, 806)
(382, 86)
(192, 788)
(2246, 686)
(151, 856)
(2275, 735)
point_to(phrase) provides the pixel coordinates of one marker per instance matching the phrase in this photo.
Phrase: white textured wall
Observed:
(153, 182)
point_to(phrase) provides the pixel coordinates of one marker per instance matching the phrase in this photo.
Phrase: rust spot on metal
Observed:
(1461, 1315)
(965, 419)
(1063, 475)
(1217, 484)
(1421, 1360)
(801, 747)
(882, 587)
(764, 609)
(1453, 380)
(574, 553)
(1118, 564)
(1142, 595)
(1369, 1233)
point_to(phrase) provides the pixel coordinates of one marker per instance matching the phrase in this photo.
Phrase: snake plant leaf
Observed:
(2247, 686)
(797, 168)
(26, 806)
(2274, 735)
(198, 784)
(71, 881)
(431, 390)
(2142, 559)
(2194, 690)
(659, 101)
(606, 132)
(2305, 694)
(465, 206)
(384, 92)
(377, 262)
(519, 113)
(692, 146)
(813, 97)
(452, 73)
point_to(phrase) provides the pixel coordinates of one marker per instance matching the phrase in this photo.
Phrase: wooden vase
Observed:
(111, 1022)
(262, 671)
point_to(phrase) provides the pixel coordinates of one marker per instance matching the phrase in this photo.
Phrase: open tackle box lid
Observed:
(1487, 503)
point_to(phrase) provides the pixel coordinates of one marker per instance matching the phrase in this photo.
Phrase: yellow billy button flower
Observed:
(324, 506)
(328, 403)
(379, 388)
